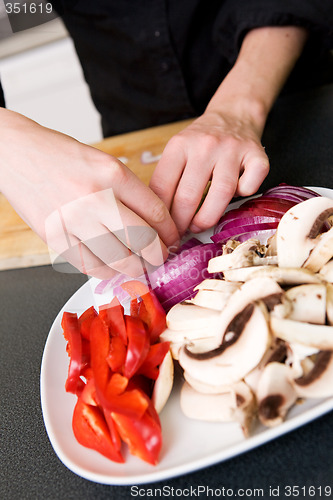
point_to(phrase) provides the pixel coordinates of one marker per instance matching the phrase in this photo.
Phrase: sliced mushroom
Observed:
(318, 336)
(326, 272)
(200, 344)
(244, 255)
(211, 299)
(308, 303)
(329, 303)
(282, 275)
(217, 285)
(275, 394)
(245, 341)
(186, 316)
(322, 252)
(163, 384)
(236, 405)
(298, 228)
(318, 381)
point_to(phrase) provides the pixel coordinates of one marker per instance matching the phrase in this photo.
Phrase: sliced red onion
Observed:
(234, 233)
(256, 219)
(174, 281)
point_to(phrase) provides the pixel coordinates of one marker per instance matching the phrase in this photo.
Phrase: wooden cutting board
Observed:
(21, 247)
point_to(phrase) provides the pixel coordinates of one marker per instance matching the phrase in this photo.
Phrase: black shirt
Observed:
(149, 62)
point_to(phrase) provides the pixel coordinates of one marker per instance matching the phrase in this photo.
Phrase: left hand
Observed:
(218, 147)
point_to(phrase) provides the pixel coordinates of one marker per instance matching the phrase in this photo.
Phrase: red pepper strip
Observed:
(155, 356)
(151, 312)
(72, 334)
(91, 430)
(113, 315)
(117, 354)
(115, 436)
(143, 436)
(131, 403)
(138, 345)
(88, 395)
(85, 321)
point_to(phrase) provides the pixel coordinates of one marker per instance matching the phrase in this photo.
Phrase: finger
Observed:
(110, 250)
(141, 200)
(256, 168)
(221, 191)
(189, 193)
(168, 171)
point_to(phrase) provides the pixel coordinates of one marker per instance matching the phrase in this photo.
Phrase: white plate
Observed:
(188, 445)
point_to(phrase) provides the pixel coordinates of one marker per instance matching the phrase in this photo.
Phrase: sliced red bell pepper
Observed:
(150, 311)
(155, 356)
(143, 436)
(117, 354)
(138, 345)
(85, 321)
(72, 334)
(91, 430)
(88, 395)
(131, 403)
(113, 315)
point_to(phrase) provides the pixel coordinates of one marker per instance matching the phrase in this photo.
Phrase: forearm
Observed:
(265, 61)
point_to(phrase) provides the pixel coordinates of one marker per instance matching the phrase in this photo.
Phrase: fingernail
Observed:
(174, 247)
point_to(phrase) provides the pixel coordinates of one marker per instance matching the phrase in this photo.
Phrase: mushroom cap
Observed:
(185, 316)
(236, 405)
(322, 252)
(326, 272)
(164, 383)
(234, 358)
(318, 336)
(282, 275)
(318, 382)
(211, 299)
(298, 228)
(275, 394)
(308, 303)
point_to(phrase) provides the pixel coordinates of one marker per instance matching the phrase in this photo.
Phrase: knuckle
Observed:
(158, 212)
(186, 196)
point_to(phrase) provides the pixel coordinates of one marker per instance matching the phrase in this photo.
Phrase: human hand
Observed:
(84, 203)
(221, 147)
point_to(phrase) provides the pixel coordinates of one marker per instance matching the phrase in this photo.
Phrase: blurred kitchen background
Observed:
(40, 72)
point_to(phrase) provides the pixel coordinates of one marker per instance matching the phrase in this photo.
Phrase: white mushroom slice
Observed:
(245, 341)
(237, 405)
(275, 394)
(264, 289)
(206, 388)
(170, 335)
(241, 256)
(203, 344)
(163, 384)
(298, 228)
(308, 303)
(186, 316)
(322, 252)
(327, 272)
(282, 275)
(211, 299)
(217, 285)
(329, 303)
(297, 353)
(318, 336)
(318, 382)
(277, 352)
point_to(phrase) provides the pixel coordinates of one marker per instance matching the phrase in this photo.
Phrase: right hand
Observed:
(85, 204)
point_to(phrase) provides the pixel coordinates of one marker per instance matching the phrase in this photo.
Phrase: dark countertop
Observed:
(31, 299)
